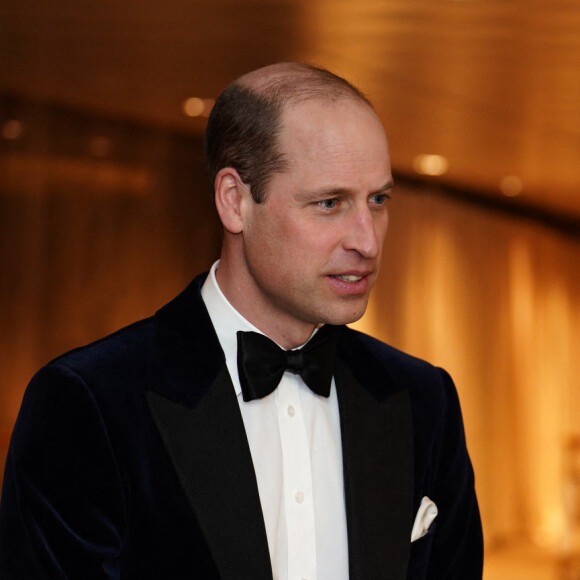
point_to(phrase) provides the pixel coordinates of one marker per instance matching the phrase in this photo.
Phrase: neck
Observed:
(286, 331)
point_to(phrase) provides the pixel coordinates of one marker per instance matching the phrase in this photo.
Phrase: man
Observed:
(156, 453)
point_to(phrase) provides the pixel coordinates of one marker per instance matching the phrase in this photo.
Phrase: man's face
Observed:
(312, 250)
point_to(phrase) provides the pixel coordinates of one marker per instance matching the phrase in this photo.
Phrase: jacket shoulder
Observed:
(133, 342)
(380, 364)
(391, 359)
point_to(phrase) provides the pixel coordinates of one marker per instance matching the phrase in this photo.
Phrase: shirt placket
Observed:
(297, 476)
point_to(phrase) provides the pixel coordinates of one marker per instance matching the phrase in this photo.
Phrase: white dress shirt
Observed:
(294, 439)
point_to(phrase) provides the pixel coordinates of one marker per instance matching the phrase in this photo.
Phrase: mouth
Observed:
(348, 278)
(352, 285)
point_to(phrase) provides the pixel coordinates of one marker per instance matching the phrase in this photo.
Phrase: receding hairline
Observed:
(292, 82)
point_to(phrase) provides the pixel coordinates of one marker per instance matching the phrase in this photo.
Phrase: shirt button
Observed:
(299, 496)
(291, 411)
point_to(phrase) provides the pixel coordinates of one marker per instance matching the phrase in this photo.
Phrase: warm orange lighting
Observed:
(20, 173)
(99, 146)
(511, 185)
(12, 130)
(196, 107)
(431, 164)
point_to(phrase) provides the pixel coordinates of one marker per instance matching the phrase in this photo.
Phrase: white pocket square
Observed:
(425, 516)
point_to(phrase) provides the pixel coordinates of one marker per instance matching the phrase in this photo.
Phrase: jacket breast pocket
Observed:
(420, 554)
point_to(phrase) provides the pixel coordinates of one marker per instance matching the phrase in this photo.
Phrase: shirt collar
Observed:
(227, 321)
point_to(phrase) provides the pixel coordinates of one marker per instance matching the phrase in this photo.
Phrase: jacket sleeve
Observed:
(457, 545)
(63, 508)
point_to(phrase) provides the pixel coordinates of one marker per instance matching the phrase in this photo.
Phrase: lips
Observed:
(348, 278)
(351, 285)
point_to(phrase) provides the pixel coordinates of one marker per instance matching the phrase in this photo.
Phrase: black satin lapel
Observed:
(209, 449)
(377, 448)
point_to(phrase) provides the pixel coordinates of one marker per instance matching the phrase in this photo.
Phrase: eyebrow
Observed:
(387, 187)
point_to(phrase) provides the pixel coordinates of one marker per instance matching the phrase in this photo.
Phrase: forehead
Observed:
(342, 137)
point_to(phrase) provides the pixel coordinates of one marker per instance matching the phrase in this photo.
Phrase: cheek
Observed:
(315, 244)
(274, 252)
(283, 242)
(289, 236)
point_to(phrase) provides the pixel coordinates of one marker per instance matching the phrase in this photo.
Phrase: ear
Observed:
(230, 195)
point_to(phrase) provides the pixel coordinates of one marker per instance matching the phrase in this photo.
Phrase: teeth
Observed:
(349, 278)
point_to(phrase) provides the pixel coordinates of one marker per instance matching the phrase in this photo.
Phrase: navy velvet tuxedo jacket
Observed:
(129, 460)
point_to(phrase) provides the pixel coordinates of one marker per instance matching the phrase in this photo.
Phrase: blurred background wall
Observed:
(105, 213)
(495, 299)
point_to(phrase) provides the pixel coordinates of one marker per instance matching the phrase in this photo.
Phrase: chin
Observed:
(338, 318)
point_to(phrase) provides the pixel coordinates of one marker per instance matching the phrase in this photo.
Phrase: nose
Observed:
(366, 232)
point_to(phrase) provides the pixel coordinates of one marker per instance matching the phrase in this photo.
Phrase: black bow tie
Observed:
(261, 362)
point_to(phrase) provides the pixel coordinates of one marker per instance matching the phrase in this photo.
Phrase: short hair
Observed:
(245, 123)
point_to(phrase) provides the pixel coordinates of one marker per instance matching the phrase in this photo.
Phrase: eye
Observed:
(331, 203)
(380, 198)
